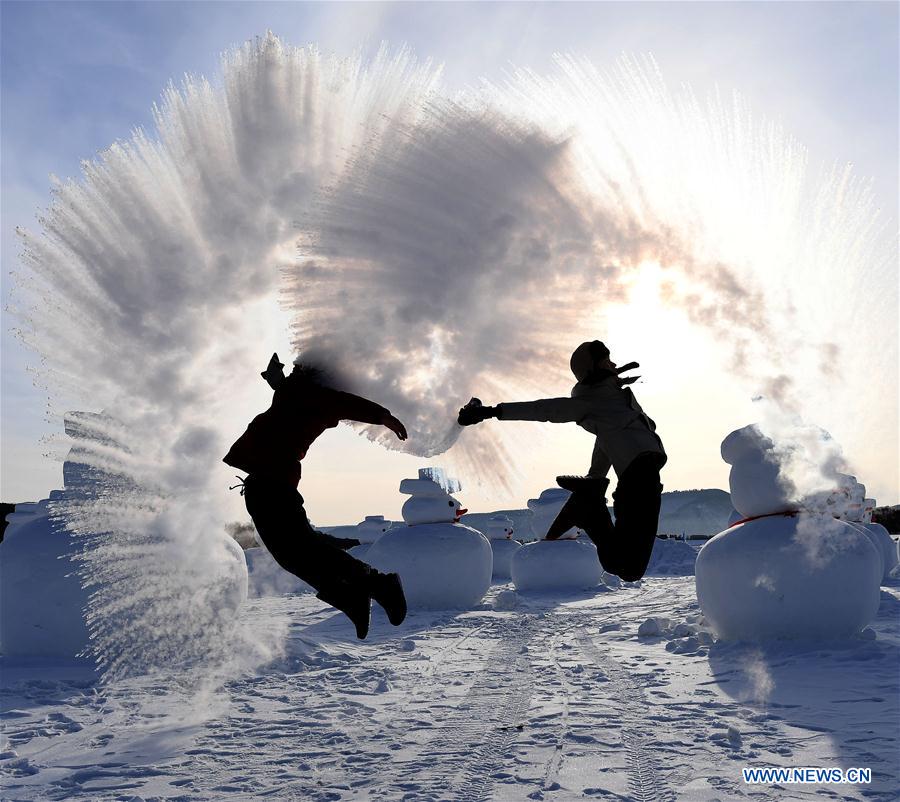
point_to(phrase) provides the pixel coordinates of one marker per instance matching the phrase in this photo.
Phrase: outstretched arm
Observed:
(394, 425)
(354, 407)
(552, 410)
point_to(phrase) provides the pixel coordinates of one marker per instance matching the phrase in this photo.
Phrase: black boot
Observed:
(353, 603)
(387, 590)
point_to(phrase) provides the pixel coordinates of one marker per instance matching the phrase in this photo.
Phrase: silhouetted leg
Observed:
(636, 503)
(585, 508)
(280, 518)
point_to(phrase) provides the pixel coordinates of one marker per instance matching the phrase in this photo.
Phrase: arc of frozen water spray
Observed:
(447, 246)
(150, 296)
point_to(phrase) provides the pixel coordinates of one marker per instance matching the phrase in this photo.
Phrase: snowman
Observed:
(569, 563)
(499, 533)
(786, 569)
(367, 532)
(442, 563)
(889, 549)
(545, 508)
(848, 502)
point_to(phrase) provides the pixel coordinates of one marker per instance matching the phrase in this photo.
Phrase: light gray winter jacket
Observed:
(606, 410)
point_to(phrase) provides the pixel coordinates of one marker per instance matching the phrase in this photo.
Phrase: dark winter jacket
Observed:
(607, 410)
(277, 439)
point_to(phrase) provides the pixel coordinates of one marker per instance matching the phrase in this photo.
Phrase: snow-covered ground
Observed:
(557, 698)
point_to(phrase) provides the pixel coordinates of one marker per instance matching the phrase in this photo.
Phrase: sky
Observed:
(79, 76)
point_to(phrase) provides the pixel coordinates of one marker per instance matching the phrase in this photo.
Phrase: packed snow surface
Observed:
(527, 697)
(443, 566)
(556, 565)
(805, 576)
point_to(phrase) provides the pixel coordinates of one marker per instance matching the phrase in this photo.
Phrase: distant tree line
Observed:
(888, 517)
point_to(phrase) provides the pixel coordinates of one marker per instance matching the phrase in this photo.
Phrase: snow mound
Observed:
(672, 558)
(443, 566)
(506, 600)
(42, 600)
(267, 578)
(802, 576)
(556, 565)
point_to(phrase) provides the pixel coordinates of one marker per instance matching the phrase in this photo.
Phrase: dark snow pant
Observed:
(624, 548)
(317, 558)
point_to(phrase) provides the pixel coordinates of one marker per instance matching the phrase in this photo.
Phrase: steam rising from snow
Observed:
(448, 247)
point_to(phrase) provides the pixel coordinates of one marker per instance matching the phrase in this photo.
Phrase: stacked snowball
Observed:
(786, 571)
(442, 563)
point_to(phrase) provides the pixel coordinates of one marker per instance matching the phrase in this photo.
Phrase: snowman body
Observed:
(442, 563)
(556, 565)
(783, 571)
(569, 563)
(499, 534)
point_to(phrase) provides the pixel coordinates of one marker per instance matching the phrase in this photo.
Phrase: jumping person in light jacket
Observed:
(627, 441)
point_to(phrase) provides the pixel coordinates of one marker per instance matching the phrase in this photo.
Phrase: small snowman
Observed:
(848, 502)
(499, 533)
(569, 563)
(889, 548)
(367, 532)
(442, 563)
(544, 510)
(785, 569)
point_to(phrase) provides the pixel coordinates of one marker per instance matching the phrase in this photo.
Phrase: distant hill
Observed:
(693, 512)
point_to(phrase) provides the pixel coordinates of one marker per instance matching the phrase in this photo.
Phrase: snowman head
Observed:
(845, 501)
(500, 527)
(545, 508)
(430, 501)
(756, 481)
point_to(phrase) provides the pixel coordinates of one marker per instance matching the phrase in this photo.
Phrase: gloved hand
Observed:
(475, 412)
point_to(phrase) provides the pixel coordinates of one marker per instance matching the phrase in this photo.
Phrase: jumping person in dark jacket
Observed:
(270, 451)
(626, 440)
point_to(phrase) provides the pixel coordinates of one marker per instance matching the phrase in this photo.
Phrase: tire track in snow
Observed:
(643, 773)
(462, 757)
